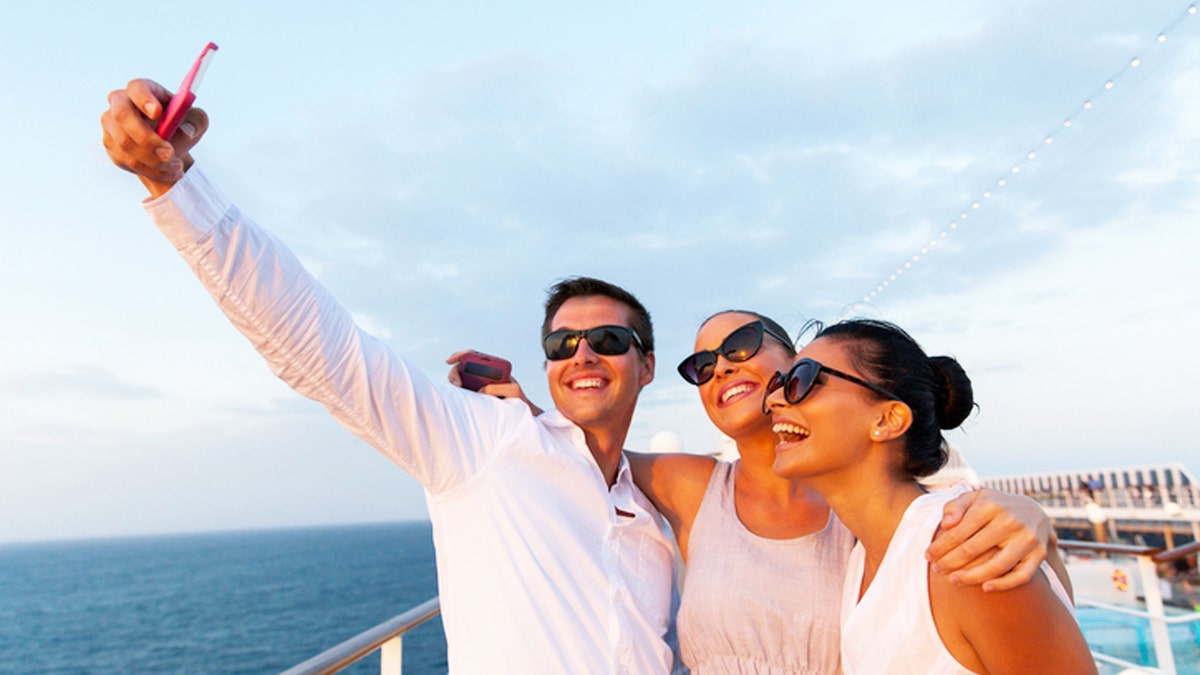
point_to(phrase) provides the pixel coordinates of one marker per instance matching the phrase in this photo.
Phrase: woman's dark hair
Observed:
(771, 324)
(936, 388)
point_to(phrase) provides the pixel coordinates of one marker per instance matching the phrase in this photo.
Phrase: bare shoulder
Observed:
(671, 472)
(1027, 629)
(678, 467)
(674, 482)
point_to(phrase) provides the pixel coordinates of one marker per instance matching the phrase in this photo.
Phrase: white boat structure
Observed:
(1131, 536)
(1150, 501)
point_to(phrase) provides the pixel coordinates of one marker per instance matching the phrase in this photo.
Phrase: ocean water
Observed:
(244, 602)
(261, 602)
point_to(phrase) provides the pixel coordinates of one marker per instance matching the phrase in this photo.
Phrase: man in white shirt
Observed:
(550, 560)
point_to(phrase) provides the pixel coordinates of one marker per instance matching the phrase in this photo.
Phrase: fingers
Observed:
(959, 552)
(953, 512)
(1017, 576)
(453, 358)
(1002, 550)
(129, 136)
(148, 96)
(961, 518)
(190, 131)
(978, 531)
(998, 569)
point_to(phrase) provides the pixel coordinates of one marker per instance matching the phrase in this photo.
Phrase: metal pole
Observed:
(1154, 607)
(390, 657)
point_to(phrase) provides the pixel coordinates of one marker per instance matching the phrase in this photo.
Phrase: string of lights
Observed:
(955, 224)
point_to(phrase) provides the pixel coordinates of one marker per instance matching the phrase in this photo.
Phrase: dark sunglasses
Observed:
(799, 381)
(740, 345)
(604, 340)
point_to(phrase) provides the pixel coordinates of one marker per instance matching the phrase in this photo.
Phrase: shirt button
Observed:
(619, 595)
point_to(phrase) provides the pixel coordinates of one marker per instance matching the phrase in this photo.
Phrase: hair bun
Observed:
(954, 397)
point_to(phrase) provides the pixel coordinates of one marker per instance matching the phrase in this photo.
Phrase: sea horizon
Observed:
(204, 531)
(233, 601)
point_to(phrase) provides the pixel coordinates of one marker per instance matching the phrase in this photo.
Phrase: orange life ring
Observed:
(1120, 581)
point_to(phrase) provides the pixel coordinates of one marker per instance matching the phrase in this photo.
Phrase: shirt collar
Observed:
(555, 419)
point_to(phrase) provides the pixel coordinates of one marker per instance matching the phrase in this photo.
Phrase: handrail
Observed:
(354, 649)
(1186, 617)
(1147, 559)
(335, 658)
(1156, 553)
(1177, 553)
(1123, 549)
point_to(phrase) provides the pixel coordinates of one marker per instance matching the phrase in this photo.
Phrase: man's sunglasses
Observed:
(740, 345)
(799, 381)
(604, 340)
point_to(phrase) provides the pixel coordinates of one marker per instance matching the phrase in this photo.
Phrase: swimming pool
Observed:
(1129, 638)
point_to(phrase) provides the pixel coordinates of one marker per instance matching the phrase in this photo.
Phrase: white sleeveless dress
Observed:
(891, 630)
(758, 606)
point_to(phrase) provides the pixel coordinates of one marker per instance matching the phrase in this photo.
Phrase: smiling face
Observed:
(595, 391)
(831, 427)
(733, 397)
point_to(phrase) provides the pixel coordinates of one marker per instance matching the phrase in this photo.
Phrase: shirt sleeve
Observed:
(438, 433)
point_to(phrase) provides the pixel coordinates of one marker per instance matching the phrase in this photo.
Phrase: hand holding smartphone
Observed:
(479, 370)
(181, 102)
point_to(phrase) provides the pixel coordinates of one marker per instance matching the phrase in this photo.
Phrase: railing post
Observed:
(1154, 607)
(384, 638)
(390, 654)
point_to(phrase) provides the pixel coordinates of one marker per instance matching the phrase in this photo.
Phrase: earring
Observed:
(876, 433)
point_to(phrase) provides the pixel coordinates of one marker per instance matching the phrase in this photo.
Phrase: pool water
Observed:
(1129, 638)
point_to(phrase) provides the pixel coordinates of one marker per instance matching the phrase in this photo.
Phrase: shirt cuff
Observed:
(190, 210)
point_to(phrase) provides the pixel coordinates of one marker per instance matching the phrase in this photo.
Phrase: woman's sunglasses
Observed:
(740, 345)
(604, 340)
(799, 381)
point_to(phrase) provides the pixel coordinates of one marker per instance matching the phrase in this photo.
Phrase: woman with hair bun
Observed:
(859, 418)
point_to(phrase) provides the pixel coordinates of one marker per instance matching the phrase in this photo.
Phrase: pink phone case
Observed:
(477, 370)
(181, 102)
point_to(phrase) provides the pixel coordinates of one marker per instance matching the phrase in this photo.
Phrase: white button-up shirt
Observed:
(537, 570)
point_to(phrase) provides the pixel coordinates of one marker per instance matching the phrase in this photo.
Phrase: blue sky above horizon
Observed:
(438, 167)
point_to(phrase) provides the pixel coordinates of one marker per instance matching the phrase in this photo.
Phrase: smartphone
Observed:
(478, 370)
(181, 102)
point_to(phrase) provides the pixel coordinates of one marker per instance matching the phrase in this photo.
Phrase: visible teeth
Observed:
(741, 388)
(790, 432)
(588, 383)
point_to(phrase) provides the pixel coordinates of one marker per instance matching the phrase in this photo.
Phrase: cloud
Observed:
(785, 160)
(76, 380)
(286, 471)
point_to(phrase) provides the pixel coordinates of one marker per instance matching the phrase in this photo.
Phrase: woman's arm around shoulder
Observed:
(675, 483)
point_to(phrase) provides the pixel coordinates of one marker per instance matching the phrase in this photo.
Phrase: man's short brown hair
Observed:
(580, 287)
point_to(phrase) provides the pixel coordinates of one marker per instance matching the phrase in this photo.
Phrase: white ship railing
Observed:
(1148, 559)
(387, 637)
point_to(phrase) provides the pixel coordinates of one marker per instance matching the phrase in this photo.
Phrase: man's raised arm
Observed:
(438, 434)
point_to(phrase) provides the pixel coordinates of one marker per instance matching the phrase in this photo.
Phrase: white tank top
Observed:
(891, 630)
(753, 605)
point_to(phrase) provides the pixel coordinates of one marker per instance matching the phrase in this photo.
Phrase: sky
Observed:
(439, 166)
